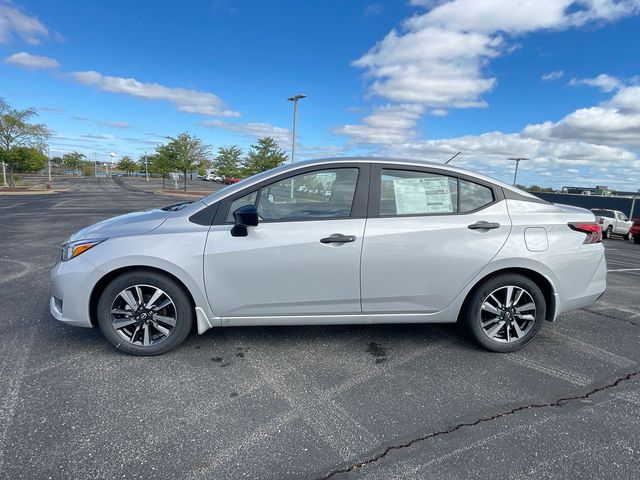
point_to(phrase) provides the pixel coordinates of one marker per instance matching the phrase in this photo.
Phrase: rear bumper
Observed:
(594, 289)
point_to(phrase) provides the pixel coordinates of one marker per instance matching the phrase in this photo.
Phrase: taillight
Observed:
(592, 229)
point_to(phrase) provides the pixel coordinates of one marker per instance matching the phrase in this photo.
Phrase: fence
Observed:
(623, 204)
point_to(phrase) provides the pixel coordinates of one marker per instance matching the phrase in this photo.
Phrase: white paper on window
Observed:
(422, 195)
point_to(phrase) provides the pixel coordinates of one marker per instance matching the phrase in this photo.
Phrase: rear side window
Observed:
(474, 196)
(417, 193)
(603, 213)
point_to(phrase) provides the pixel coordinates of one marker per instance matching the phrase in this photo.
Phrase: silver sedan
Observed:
(335, 241)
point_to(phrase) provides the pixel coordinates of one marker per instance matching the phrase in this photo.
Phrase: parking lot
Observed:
(377, 402)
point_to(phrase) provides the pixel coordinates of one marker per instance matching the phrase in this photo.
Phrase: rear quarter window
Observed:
(474, 196)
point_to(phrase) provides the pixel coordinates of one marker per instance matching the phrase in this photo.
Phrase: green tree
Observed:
(228, 161)
(263, 156)
(88, 168)
(73, 160)
(17, 131)
(127, 165)
(162, 162)
(188, 152)
(24, 159)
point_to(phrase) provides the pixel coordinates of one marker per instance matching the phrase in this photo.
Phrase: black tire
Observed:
(636, 239)
(473, 314)
(181, 311)
(627, 236)
(607, 233)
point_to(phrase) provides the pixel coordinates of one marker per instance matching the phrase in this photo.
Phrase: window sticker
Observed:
(422, 195)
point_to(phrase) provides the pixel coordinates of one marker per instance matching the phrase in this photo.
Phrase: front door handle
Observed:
(482, 225)
(338, 238)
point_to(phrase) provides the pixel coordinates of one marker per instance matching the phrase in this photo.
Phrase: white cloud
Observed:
(437, 59)
(185, 100)
(550, 76)
(388, 124)
(253, 130)
(122, 125)
(15, 23)
(373, 9)
(26, 60)
(604, 82)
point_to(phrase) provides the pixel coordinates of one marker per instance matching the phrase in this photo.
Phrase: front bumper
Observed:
(71, 285)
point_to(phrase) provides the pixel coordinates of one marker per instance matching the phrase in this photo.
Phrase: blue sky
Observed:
(552, 80)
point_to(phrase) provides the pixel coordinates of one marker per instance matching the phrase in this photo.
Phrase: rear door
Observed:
(303, 258)
(426, 237)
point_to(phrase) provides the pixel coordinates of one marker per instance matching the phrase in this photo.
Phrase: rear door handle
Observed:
(338, 238)
(482, 225)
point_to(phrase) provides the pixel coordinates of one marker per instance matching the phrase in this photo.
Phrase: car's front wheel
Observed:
(607, 233)
(144, 313)
(505, 312)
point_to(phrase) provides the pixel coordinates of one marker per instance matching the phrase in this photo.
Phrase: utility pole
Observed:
(146, 165)
(517, 160)
(294, 99)
(95, 164)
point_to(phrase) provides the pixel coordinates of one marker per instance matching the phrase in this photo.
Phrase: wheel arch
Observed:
(108, 277)
(540, 280)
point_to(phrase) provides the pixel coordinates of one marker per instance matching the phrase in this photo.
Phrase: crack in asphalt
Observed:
(613, 317)
(556, 403)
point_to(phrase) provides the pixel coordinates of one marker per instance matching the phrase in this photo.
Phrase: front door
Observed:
(304, 256)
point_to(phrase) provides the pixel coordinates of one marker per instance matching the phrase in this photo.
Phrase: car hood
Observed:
(130, 224)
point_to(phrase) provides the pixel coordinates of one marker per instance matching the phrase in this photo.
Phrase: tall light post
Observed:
(95, 164)
(112, 155)
(294, 99)
(4, 175)
(517, 160)
(146, 165)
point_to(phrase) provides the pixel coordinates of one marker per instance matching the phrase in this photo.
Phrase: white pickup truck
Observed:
(613, 222)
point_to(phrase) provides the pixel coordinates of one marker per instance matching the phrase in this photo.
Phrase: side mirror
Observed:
(246, 216)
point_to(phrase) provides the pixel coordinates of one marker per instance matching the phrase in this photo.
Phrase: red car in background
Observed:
(635, 231)
(230, 180)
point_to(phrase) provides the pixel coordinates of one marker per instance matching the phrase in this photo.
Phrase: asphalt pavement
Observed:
(377, 402)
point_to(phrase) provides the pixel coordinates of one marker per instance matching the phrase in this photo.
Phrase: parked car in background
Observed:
(211, 177)
(613, 222)
(230, 180)
(635, 231)
(393, 242)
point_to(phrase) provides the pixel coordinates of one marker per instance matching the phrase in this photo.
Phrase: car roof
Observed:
(338, 160)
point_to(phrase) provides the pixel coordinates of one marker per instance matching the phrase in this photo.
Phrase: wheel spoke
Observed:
(133, 335)
(156, 295)
(518, 296)
(166, 303)
(517, 329)
(526, 307)
(487, 307)
(508, 302)
(128, 297)
(528, 318)
(494, 330)
(164, 331)
(140, 297)
(146, 340)
(166, 320)
(120, 311)
(123, 322)
(491, 321)
(498, 302)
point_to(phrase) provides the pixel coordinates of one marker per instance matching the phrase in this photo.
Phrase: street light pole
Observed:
(146, 165)
(95, 164)
(517, 160)
(294, 99)
(4, 175)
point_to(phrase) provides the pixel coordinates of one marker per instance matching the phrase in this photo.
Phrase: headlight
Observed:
(73, 249)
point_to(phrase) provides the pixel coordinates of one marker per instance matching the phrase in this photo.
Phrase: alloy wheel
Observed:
(143, 315)
(507, 314)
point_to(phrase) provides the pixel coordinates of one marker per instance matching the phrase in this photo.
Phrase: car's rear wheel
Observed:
(505, 313)
(144, 313)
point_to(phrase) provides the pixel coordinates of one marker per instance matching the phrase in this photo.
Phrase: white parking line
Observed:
(624, 270)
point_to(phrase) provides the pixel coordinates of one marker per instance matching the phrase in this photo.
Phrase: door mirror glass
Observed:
(246, 216)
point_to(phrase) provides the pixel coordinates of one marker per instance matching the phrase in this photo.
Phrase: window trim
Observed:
(376, 186)
(358, 207)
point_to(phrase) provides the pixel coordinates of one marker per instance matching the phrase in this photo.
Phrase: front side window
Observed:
(315, 195)
(405, 192)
